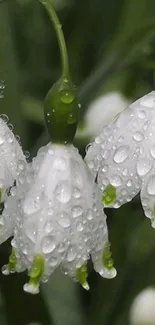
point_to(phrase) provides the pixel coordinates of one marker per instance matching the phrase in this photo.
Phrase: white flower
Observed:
(143, 308)
(11, 158)
(100, 112)
(123, 157)
(10, 155)
(60, 221)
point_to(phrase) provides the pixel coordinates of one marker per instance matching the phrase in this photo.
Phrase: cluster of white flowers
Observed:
(54, 209)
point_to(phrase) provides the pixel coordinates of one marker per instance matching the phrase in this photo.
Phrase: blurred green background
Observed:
(111, 47)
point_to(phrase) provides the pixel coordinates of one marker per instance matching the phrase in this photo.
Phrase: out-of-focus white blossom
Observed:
(143, 308)
(59, 219)
(123, 157)
(101, 112)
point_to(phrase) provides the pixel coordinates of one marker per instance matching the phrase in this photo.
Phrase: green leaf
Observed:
(62, 299)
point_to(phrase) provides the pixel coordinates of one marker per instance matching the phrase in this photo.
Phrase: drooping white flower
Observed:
(60, 221)
(101, 112)
(10, 155)
(123, 156)
(143, 308)
(11, 161)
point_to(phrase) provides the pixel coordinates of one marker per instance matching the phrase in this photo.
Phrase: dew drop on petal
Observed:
(152, 151)
(63, 192)
(4, 117)
(89, 214)
(141, 114)
(76, 192)
(77, 211)
(2, 139)
(138, 136)
(71, 255)
(143, 167)
(151, 185)
(115, 180)
(48, 244)
(64, 220)
(121, 154)
(48, 227)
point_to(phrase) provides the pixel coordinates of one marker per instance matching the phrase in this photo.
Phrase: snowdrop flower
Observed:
(60, 221)
(100, 112)
(10, 155)
(143, 308)
(123, 157)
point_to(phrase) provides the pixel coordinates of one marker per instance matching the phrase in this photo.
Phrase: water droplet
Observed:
(125, 172)
(31, 234)
(2, 139)
(60, 164)
(10, 137)
(80, 227)
(61, 247)
(89, 215)
(26, 153)
(65, 79)
(77, 211)
(4, 117)
(143, 167)
(48, 227)
(63, 192)
(10, 126)
(17, 137)
(64, 220)
(76, 192)
(115, 180)
(152, 151)
(53, 262)
(98, 140)
(121, 154)
(67, 96)
(151, 185)
(48, 244)
(71, 255)
(2, 87)
(141, 114)
(129, 183)
(138, 136)
(71, 118)
(2, 84)
(105, 154)
(90, 164)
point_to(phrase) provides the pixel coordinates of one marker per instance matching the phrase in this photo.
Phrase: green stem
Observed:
(60, 36)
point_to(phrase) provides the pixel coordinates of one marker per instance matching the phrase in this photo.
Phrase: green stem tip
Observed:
(60, 36)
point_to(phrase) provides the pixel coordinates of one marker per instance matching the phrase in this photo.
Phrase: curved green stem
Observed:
(58, 29)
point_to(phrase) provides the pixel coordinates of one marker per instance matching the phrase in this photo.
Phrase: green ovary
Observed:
(61, 112)
(107, 260)
(109, 195)
(36, 270)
